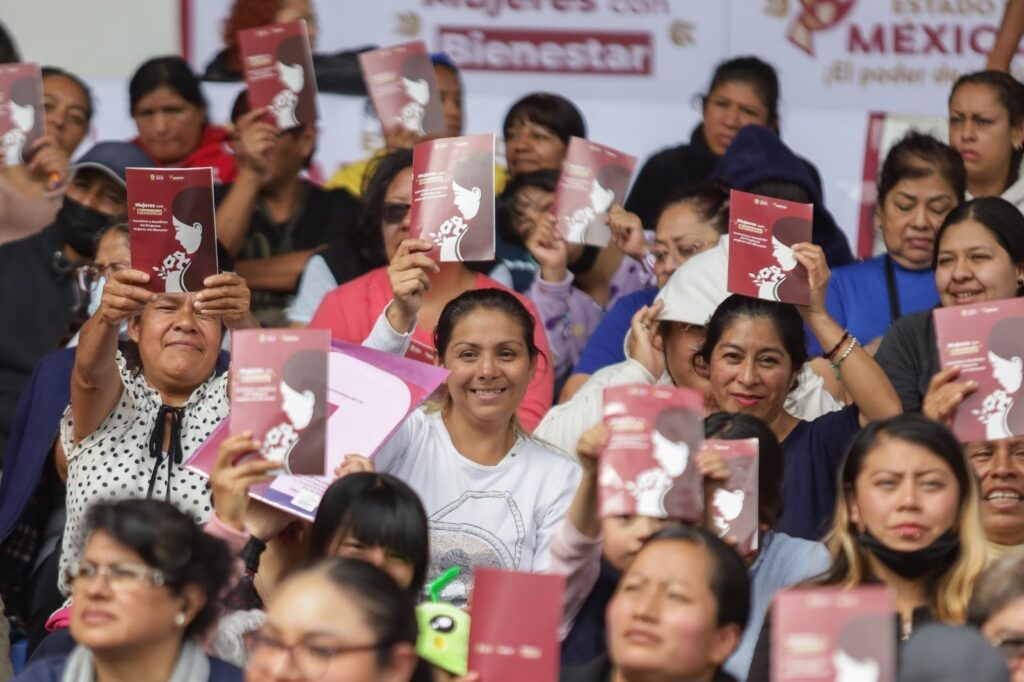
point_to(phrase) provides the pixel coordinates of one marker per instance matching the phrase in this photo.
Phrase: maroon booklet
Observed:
(369, 394)
(279, 393)
(762, 232)
(171, 226)
(278, 68)
(422, 352)
(832, 634)
(22, 120)
(403, 88)
(593, 178)
(986, 341)
(647, 467)
(514, 632)
(733, 505)
(453, 197)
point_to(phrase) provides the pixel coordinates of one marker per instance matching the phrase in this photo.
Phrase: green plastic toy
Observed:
(444, 629)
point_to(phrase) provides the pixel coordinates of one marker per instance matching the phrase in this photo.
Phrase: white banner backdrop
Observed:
(884, 55)
(634, 67)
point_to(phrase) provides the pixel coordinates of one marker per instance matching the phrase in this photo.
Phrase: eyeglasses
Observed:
(1012, 646)
(89, 275)
(120, 577)
(311, 660)
(685, 251)
(394, 212)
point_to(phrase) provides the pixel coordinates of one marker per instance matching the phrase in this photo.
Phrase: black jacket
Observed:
(756, 156)
(36, 302)
(680, 169)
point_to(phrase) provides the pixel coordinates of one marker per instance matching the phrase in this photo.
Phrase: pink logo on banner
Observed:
(522, 50)
(816, 15)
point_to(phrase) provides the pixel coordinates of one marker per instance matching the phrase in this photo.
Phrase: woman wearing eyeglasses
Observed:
(145, 591)
(383, 224)
(343, 620)
(113, 252)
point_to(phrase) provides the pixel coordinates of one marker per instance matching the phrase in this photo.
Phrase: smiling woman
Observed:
(752, 356)
(134, 417)
(979, 257)
(494, 495)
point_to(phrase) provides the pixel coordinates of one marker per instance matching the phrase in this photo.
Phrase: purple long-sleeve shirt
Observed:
(570, 315)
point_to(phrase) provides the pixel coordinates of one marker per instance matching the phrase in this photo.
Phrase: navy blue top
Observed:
(586, 640)
(605, 345)
(858, 298)
(813, 452)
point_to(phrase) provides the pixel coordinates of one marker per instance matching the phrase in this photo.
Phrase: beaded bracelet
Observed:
(846, 353)
(839, 343)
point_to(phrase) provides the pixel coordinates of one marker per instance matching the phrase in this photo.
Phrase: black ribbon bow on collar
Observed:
(156, 445)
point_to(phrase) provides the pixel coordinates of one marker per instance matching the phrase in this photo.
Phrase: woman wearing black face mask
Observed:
(909, 518)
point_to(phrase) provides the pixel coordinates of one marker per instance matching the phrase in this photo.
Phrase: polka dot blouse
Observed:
(114, 461)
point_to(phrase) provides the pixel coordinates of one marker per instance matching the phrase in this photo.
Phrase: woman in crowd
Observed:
(537, 129)
(369, 516)
(372, 517)
(688, 224)
(352, 310)
(31, 193)
(135, 417)
(170, 113)
(921, 181)
(146, 589)
(339, 621)
(752, 356)
(493, 494)
(907, 518)
(593, 552)
(986, 125)
(979, 256)
(997, 609)
(677, 613)
(743, 91)
(663, 340)
(998, 465)
(383, 224)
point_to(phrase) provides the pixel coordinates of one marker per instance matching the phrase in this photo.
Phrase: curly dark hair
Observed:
(168, 540)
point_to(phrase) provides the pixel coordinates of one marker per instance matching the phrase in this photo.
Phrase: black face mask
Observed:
(917, 563)
(80, 226)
